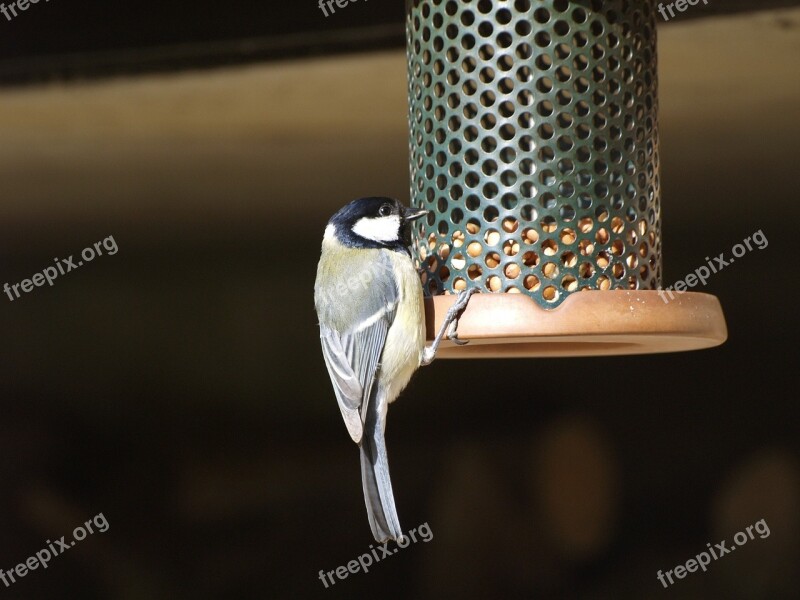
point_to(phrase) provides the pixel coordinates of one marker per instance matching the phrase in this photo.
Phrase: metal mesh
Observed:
(534, 142)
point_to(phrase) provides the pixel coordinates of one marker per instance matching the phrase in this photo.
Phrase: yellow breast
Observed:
(405, 341)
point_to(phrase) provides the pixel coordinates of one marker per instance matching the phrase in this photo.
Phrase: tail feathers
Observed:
(378, 487)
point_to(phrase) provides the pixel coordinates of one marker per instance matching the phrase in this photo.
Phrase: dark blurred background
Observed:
(177, 386)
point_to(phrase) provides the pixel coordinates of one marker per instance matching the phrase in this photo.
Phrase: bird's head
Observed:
(374, 223)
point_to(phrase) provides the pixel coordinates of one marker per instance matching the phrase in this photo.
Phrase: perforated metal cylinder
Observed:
(534, 143)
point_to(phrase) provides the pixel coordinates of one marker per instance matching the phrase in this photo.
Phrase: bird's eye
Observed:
(385, 210)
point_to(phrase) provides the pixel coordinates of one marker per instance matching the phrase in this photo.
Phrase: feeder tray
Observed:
(533, 137)
(591, 323)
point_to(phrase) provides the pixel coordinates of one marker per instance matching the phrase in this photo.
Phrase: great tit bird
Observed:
(371, 313)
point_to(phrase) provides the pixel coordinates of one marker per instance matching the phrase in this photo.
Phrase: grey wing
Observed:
(346, 385)
(353, 356)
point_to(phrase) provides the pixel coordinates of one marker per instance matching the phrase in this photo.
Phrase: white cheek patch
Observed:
(378, 229)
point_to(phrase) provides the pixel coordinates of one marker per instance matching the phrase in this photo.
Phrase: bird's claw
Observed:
(449, 327)
(452, 334)
(454, 313)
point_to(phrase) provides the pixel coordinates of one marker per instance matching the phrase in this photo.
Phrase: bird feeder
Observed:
(533, 135)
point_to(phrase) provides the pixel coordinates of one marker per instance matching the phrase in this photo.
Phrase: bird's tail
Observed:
(377, 485)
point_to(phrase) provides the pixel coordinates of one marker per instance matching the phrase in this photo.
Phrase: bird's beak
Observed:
(412, 214)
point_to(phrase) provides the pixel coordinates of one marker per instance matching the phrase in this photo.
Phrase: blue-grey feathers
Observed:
(352, 361)
(346, 386)
(378, 494)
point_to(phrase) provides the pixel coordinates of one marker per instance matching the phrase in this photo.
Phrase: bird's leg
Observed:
(449, 326)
